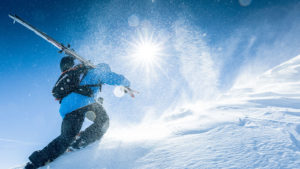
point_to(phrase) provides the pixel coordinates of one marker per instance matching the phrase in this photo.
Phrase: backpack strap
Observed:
(86, 89)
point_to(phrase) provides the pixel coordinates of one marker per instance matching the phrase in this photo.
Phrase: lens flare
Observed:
(146, 53)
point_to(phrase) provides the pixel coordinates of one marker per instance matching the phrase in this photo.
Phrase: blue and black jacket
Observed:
(102, 74)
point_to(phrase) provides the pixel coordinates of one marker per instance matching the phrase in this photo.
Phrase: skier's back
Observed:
(76, 100)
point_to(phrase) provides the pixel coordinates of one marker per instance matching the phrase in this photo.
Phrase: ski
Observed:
(58, 45)
(66, 49)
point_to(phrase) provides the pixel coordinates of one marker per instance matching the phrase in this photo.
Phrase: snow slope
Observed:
(254, 125)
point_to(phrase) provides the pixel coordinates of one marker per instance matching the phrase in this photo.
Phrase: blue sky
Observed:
(206, 47)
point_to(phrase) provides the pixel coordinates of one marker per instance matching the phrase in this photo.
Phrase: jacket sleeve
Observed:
(102, 73)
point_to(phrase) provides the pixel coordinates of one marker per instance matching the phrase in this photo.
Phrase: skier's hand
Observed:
(130, 91)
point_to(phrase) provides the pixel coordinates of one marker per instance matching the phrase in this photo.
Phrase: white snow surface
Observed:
(254, 125)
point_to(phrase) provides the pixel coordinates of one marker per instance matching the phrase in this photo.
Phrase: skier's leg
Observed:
(71, 126)
(96, 130)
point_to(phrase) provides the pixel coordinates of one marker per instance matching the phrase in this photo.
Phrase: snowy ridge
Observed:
(254, 126)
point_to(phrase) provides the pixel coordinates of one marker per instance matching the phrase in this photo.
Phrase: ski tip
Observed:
(12, 17)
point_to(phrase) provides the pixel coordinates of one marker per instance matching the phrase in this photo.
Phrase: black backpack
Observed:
(69, 81)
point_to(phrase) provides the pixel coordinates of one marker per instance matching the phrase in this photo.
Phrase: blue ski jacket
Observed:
(101, 74)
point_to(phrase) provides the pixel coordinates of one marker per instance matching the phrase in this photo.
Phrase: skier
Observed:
(75, 89)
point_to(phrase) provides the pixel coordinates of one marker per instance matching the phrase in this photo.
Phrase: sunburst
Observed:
(146, 53)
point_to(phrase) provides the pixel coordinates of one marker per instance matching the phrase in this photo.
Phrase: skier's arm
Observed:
(102, 74)
(112, 78)
(106, 76)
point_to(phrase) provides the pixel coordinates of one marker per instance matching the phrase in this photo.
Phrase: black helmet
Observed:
(66, 63)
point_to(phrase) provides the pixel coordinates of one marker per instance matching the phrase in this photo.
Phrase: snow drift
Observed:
(254, 125)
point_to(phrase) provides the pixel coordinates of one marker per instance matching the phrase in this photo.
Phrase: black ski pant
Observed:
(70, 128)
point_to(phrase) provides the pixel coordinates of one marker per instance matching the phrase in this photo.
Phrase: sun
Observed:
(146, 53)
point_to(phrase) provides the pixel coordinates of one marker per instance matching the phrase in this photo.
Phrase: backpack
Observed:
(69, 81)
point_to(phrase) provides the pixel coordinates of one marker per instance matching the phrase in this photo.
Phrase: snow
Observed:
(254, 125)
